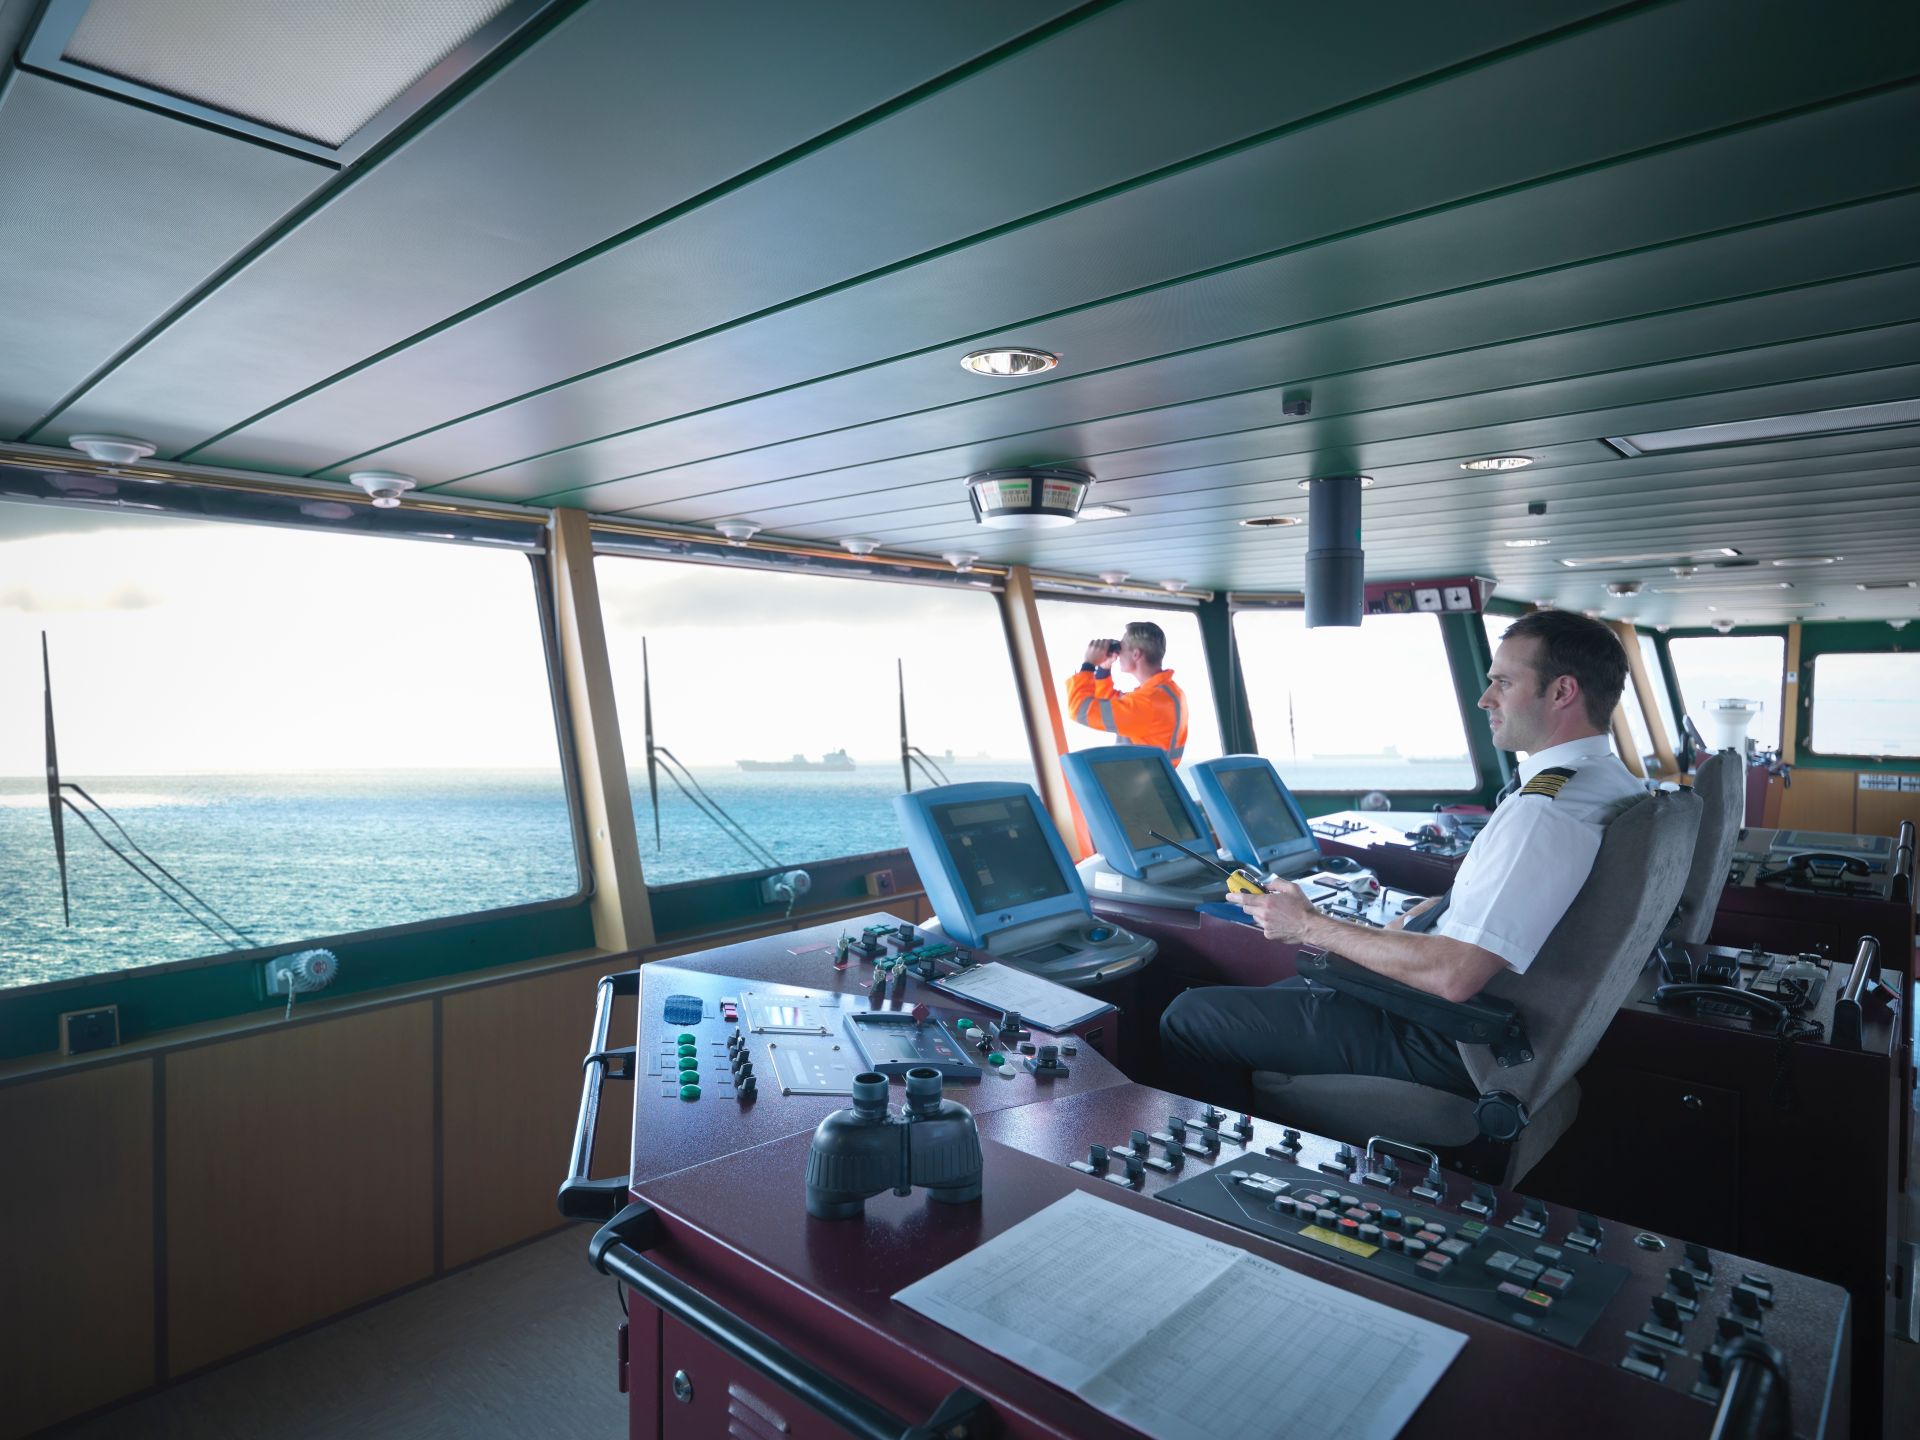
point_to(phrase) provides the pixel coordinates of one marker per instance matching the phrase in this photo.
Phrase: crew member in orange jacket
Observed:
(1154, 713)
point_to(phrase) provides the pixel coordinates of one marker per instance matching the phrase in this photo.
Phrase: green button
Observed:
(686, 1039)
(689, 1092)
(689, 1049)
(689, 1067)
(963, 1025)
(996, 1058)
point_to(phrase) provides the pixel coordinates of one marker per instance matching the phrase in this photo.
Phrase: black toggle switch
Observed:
(1176, 1157)
(1136, 1170)
(1589, 1223)
(1210, 1141)
(1700, 1258)
(1729, 1327)
(1289, 1139)
(1346, 1156)
(1534, 1210)
(1097, 1158)
(1713, 1368)
(1176, 1127)
(1139, 1141)
(747, 1087)
(1745, 1303)
(1212, 1116)
(1666, 1312)
(1243, 1127)
(1683, 1283)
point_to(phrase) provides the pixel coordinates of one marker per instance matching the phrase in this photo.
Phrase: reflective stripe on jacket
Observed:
(1155, 713)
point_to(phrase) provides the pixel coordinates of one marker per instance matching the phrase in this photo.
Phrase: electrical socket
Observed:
(879, 883)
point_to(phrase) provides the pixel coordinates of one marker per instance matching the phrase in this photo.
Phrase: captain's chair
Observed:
(1721, 784)
(1543, 1024)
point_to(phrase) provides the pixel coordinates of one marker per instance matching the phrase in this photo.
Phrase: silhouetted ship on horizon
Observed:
(832, 760)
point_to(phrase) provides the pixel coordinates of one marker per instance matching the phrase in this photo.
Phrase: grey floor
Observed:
(521, 1346)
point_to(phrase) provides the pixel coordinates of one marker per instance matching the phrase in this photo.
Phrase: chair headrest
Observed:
(1721, 784)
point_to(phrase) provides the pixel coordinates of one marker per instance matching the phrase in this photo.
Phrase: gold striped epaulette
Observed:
(1547, 782)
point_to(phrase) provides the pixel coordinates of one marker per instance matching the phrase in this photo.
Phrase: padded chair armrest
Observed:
(1483, 1020)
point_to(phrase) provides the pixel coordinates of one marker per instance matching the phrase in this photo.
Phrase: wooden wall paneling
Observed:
(1624, 744)
(510, 1090)
(1643, 686)
(1818, 800)
(299, 1177)
(76, 1243)
(1790, 696)
(1879, 812)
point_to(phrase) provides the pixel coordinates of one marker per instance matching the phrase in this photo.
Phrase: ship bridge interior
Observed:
(1611, 308)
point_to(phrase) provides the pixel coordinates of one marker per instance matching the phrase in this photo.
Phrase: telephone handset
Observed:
(1723, 1000)
(1818, 869)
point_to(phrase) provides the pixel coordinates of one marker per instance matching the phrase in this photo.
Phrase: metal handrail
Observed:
(616, 1250)
(582, 1197)
(1849, 1017)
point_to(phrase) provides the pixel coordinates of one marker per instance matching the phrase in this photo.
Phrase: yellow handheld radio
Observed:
(1240, 880)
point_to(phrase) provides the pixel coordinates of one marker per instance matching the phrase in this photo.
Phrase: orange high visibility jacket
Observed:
(1154, 713)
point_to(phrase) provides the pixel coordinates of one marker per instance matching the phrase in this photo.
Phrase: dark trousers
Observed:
(1216, 1037)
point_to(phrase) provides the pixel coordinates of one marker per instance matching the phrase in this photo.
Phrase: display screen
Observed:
(1143, 798)
(1000, 849)
(1262, 809)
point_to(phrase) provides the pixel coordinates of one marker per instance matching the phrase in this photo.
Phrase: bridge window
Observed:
(776, 708)
(290, 735)
(1068, 626)
(1711, 668)
(1348, 710)
(1867, 705)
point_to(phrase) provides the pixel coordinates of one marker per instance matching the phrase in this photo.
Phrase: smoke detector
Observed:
(384, 486)
(1622, 588)
(1113, 577)
(112, 449)
(1723, 626)
(1173, 587)
(737, 532)
(960, 560)
(854, 545)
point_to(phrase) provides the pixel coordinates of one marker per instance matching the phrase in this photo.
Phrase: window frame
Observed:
(1677, 687)
(1811, 671)
(1464, 707)
(540, 575)
(610, 542)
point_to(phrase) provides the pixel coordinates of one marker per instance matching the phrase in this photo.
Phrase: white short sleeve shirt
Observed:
(1536, 851)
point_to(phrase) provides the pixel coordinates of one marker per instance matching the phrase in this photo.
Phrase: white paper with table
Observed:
(1183, 1337)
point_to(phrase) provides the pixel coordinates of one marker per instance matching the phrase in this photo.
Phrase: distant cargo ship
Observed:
(832, 760)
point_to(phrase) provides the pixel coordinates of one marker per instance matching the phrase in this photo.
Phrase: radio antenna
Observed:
(54, 797)
(911, 754)
(646, 709)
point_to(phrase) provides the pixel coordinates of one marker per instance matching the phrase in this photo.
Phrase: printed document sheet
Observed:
(1040, 1002)
(1183, 1337)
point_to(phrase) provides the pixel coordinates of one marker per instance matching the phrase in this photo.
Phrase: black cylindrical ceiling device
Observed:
(1336, 565)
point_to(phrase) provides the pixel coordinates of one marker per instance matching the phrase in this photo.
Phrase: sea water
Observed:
(294, 857)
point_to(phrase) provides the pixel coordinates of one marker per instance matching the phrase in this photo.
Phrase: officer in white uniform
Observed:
(1551, 692)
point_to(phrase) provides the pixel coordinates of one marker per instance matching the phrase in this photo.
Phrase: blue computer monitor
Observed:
(1254, 814)
(1126, 790)
(989, 857)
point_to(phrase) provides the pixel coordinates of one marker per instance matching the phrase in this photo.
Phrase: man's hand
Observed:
(1099, 652)
(1399, 922)
(1282, 912)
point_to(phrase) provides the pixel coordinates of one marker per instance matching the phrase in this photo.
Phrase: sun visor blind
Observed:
(315, 68)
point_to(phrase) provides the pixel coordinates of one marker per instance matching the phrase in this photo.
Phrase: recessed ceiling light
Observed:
(1774, 427)
(1888, 585)
(855, 545)
(1035, 497)
(1620, 589)
(1009, 363)
(1525, 544)
(1792, 562)
(1713, 587)
(1366, 481)
(1103, 512)
(737, 532)
(961, 560)
(1113, 577)
(1498, 462)
(383, 487)
(1576, 562)
(112, 449)
(1269, 522)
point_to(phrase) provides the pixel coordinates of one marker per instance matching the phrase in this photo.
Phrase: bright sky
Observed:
(199, 646)
(762, 665)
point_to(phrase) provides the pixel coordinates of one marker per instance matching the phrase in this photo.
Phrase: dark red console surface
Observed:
(737, 1231)
(1776, 916)
(727, 1178)
(1379, 840)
